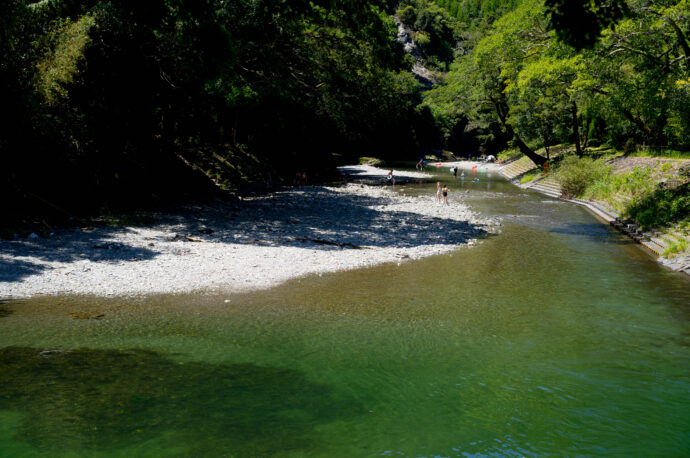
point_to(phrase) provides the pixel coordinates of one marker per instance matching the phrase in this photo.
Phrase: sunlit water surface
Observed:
(557, 337)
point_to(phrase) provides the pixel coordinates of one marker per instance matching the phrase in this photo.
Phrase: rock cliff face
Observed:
(420, 72)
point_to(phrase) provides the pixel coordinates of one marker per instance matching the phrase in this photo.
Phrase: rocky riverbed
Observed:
(255, 243)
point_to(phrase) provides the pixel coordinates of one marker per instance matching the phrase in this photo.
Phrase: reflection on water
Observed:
(558, 336)
(95, 399)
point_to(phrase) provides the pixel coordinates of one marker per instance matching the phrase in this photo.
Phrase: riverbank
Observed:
(467, 165)
(636, 185)
(256, 243)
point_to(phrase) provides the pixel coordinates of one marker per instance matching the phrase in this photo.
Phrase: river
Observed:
(558, 336)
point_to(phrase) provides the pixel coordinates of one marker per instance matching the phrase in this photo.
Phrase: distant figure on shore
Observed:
(444, 190)
(390, 177)
(420, 165)
(438, 192)
(462, 175)
(455, 171)
(268, 181)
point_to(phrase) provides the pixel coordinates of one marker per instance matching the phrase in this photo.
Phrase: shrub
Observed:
(575, 175)
(661, 207)
(370, 161)
(407, 15)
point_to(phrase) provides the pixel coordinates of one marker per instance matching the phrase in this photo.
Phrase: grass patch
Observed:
(508, 154)
(373, 161)
(662, 153)
(674, 247)
(529, 177)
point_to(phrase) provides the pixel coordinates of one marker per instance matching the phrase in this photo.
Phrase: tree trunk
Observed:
(576, 129)
(524, 149)
(502, 113)
(680, 36)
(585, 132)
(546, 147)
(650, 133)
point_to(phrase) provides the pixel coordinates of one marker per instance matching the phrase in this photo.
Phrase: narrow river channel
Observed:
(558, 336)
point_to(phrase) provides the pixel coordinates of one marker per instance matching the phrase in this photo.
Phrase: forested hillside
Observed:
(109, 101)
(475, 12)
(118, 101)
(625, 88)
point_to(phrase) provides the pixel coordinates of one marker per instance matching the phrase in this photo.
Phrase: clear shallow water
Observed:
(556, 337)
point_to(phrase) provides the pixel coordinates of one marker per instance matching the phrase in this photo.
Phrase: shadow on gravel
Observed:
(313, 217)
(302, 216)
(12, 270)
(96, 246)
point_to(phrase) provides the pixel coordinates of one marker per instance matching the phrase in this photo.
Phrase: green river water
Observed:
(557, 337)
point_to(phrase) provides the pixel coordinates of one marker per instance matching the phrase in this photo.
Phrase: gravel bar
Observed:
(256, 243)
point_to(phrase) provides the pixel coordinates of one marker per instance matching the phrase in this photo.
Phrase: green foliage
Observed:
(508, 154)
(370, 161)
(580, 23)
(529, 177)
(674, 247)
(660, 207)
(630, 89)
(632, 185)
(475, 13)
(575, 175)
(115, 100)
(407, 15)
(637, 194)
(435, 31)
(60, 65)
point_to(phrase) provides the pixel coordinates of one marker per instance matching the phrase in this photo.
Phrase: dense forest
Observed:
(536, 77)
(106, 102)
(109, 101)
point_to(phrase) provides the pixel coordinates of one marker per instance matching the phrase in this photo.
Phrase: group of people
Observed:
(441, 191)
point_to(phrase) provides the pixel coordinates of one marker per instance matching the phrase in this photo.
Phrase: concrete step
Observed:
(513, 173)
(548, 192)
(547, 187)
(679, 235)
(659, 242)
(552, 184)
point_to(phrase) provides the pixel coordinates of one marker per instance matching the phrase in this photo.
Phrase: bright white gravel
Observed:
(253, 244)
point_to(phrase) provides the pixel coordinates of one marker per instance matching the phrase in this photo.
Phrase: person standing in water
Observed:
(390, 177)
(444, 190)
(438, 192)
